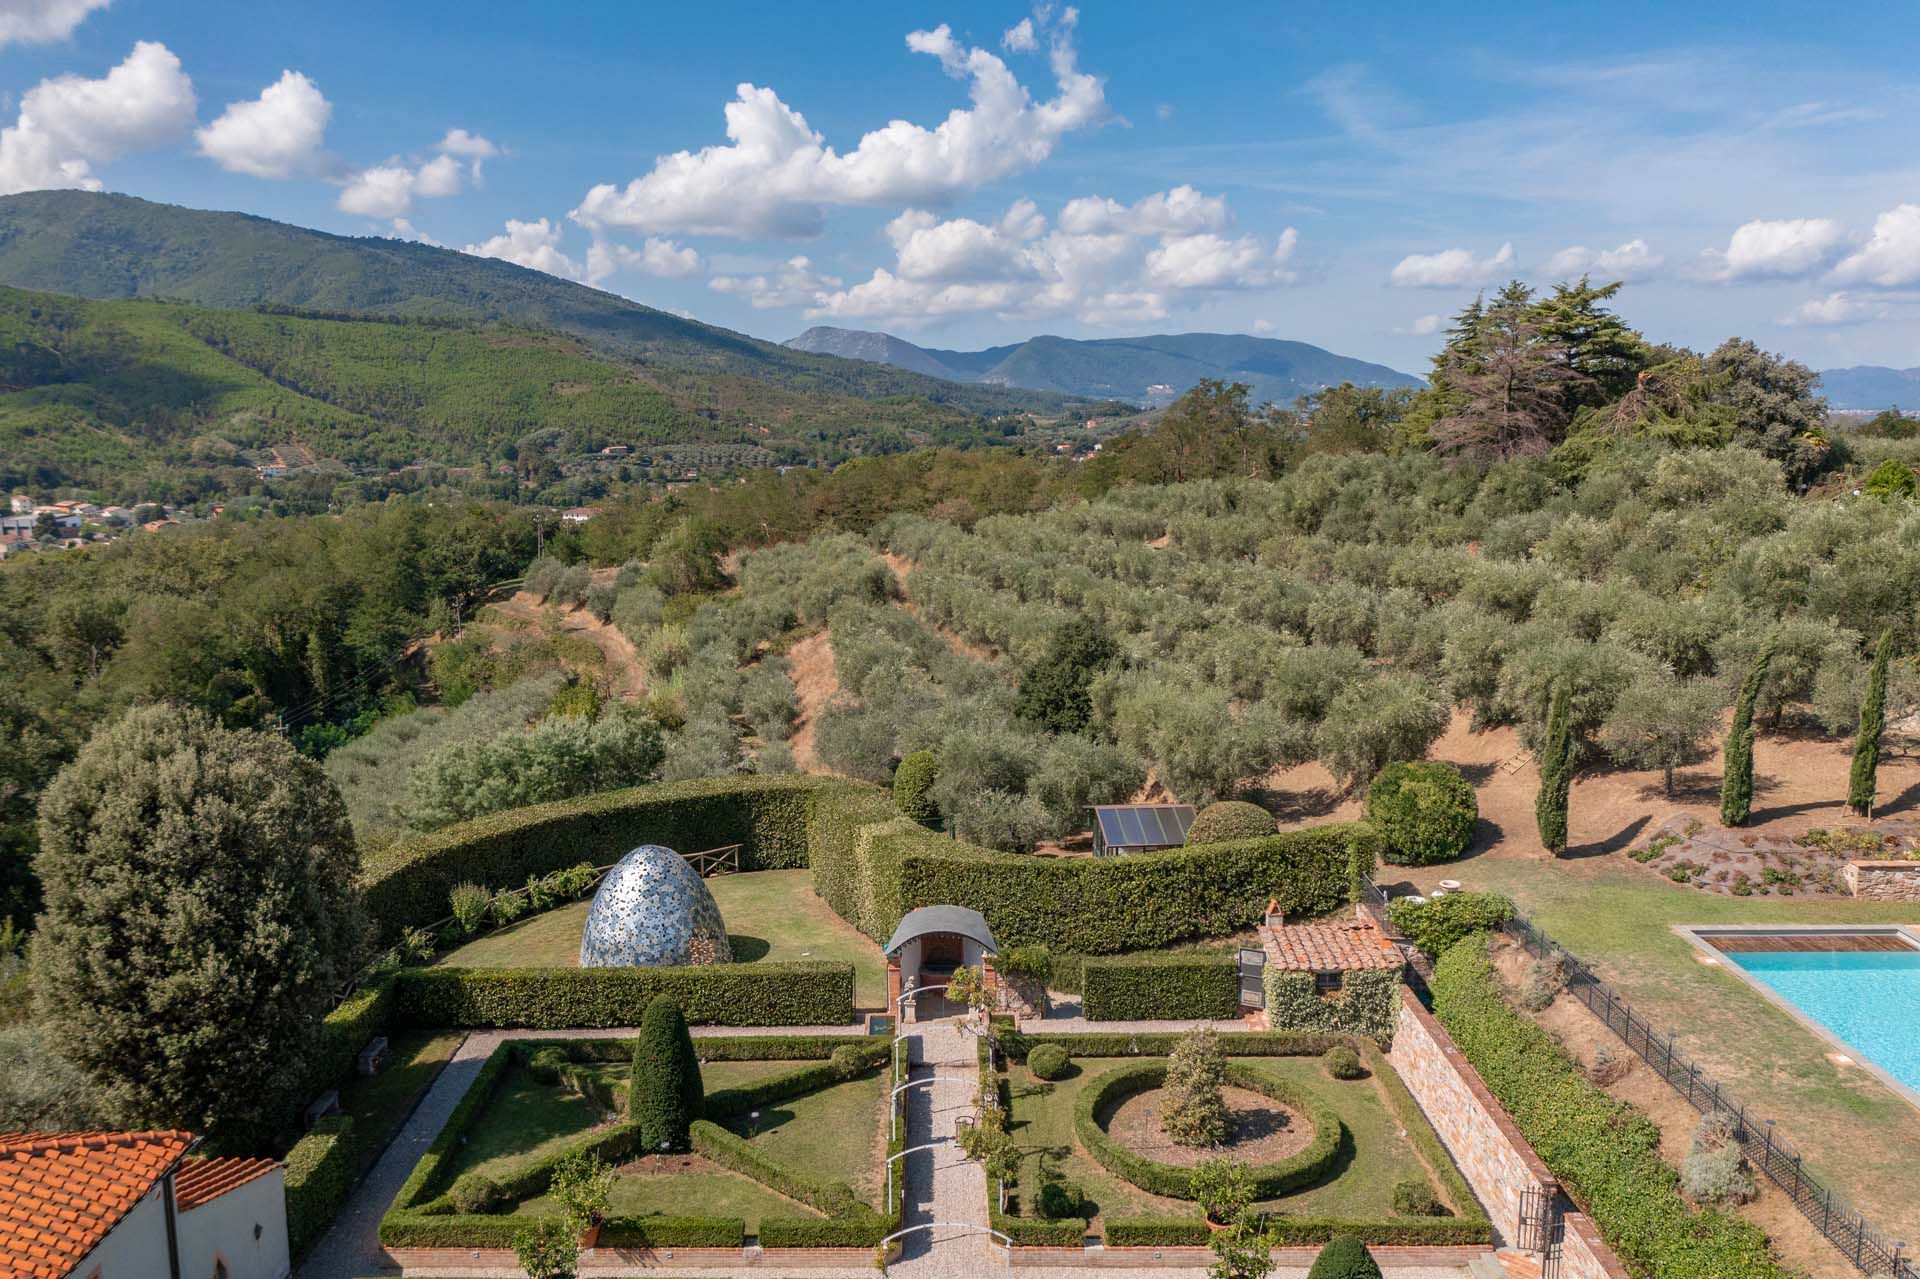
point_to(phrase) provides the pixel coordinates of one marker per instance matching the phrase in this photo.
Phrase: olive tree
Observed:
(200, 917)
(1661, 722)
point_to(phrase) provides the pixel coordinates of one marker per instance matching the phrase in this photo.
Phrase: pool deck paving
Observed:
(944, 1191)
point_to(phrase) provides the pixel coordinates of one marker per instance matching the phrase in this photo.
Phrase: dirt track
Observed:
(626, 673)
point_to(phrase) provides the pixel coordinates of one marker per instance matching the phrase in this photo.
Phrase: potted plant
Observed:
(1224, 1188)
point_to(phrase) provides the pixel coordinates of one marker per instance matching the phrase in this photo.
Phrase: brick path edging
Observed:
(1390, 1256)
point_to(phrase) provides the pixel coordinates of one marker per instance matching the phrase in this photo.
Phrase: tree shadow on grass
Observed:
(1620, 839)
(748, 949)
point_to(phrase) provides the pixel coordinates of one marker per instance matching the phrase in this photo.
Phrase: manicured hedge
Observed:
(1606, 1154)
(861, 1230)
(796, 994)
(673, 1232)
(1160, 987)
(1156, 1232)
(1309, 1167)
(321, 1170)
(1265, 1043)
(723, 1047)
(737, 1154)
(797, 1083)
(1174, 1232)
(407, 885)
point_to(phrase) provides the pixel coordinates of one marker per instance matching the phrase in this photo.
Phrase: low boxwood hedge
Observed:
(737, 1154)
(860, 1230)
(794, 994)
(673, 1232)
(1093, 1043)
(321, 1170)
(1160, 987)
(1309, 1167)
(1156, 1232)
(1605, 1153)
(722, 1047)
(760, 1094)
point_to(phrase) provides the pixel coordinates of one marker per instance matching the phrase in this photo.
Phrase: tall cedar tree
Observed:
(666, 1093)
(1510, 384)
(1736, 778)
(1053, 691)
(1866, 743)
(1556, 771)
(200, 915)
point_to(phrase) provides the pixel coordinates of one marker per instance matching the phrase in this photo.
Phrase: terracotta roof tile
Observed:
(202, 1180)
(62, 1192)
(1328, 946)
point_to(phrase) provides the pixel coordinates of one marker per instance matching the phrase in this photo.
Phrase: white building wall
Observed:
(224, 1228)
(134, 1249)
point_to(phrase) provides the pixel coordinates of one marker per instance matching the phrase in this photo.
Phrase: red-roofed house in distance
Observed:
(129, 1205)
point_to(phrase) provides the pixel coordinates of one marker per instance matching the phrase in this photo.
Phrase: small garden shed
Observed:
(929, 943)
(1337, 974)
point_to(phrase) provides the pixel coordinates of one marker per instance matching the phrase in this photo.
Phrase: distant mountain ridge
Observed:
(1871, 387)
(117, 247)
(1149, 369)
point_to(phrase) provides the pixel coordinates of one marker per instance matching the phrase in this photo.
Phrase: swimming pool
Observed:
(1867, 1000)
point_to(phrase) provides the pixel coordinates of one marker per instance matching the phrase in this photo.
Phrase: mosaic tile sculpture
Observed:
(653, 911)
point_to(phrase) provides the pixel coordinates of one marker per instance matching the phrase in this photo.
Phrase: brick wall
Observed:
(1483, 1140)
(1884, 881)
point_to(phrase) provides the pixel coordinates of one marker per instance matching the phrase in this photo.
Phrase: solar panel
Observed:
(1143, 825)
(1133, 827)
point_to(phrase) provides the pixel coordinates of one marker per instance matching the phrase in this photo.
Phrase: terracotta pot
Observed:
(590, 1237)
(1217, 1226)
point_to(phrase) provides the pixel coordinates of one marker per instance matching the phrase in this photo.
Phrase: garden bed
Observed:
(790, 1149)
(1383, 1140)
(1750, 863)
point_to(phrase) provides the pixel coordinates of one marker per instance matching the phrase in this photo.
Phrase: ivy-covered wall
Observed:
(1367, 1002)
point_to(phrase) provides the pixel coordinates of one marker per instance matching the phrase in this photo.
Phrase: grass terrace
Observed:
(771, 915)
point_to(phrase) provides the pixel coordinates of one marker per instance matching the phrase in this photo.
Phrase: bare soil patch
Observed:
(1264, 1131)
(810, 667)
(626, 673)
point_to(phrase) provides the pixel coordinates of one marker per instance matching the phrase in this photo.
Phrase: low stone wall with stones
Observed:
(1884, 881)
(1484, 1141)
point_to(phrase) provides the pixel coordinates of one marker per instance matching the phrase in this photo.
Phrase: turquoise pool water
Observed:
(1871, 999)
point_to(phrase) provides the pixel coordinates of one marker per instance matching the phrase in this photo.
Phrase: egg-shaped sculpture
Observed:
(653, 911)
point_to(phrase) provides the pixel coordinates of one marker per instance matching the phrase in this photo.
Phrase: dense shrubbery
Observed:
(913, 787)
(1436, 924)
(807, 993)
(1604, 1152)
(557, 759)
(1424, 811)
(1160, 987)
(1229, 820)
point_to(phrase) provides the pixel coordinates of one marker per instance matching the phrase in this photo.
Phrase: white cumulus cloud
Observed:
(777, 176)
(795, 283)
(1633, 260)
(388, 190)
(1450, 269)
(1891, 256)
(657, 257)
(69, 123)
(1019, 37)
(43, 21)
(534, 244)
(384, 191)
(1209, 261)
(276, 135)
(1180, 211)
(1831, 310)
(1423, 326)
(1779, 248)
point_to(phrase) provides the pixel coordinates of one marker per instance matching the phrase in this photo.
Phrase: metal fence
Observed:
(1869, 1250)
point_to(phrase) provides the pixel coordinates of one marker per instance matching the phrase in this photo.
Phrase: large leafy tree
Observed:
(200, 916)
(1772, 406)
(1599, 346)
(1662, 722)
(1053, 691)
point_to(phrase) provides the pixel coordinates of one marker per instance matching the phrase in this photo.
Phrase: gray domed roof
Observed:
(653, 911)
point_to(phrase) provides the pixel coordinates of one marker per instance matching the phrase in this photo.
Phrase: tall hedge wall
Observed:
(810, 993)
(1604, 1152)
(871, 865)
(1160, 987)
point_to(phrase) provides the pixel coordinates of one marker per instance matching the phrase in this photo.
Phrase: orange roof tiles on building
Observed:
(62, 1192)
(201, 1180)
(1328, 946)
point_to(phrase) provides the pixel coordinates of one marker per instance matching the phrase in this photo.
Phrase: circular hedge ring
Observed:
(1310, 1167)
(1425, 810)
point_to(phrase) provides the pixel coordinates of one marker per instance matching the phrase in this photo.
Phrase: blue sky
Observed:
(970, 174)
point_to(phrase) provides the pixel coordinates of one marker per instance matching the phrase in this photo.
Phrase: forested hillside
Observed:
(114, 247)
(113, 395)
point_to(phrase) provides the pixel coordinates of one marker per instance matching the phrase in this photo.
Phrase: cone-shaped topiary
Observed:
(1556, 771)
(1344, 1257)
(1866, 743)
(666, 1094)
(913, 787)
(1228, 820)
(1736, 776)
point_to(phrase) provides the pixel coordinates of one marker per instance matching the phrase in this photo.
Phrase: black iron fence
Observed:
(1869, 1250)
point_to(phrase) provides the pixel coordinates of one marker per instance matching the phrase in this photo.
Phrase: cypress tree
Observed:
(1736, 774)
(1556, 771)
(665, 1096)
(1866, 743)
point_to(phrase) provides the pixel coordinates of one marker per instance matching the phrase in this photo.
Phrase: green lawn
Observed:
(770, 914)
(1858, 1133)
(703, 1190)
(1042, 1121)
(834, 1133)
(526, 1121)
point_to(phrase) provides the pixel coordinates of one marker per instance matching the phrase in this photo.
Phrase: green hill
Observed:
(97, 245)
(93, 393)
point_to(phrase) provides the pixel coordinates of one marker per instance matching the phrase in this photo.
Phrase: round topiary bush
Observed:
(1048, 1061)
(1343, 1062)
(1228, 820)
(1424, 810)
(545, 1065)
(913, 786)
(1344, 1257)
(1415, 1198)
(475, 1192)
(848, 1062)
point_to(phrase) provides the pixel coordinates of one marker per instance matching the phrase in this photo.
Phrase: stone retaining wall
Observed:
(1484, 1141)
(1884, 881)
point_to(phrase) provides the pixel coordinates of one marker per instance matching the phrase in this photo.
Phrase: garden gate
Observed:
(1253, 990)
(1542, 1229)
